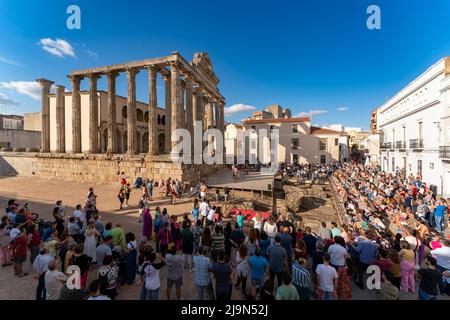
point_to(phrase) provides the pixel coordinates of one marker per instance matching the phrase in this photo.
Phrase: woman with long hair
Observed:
(270, 227)
(90, 241)
(206, 238)
(252, 242)
(300, 250)
(82, 260)
(395, 269)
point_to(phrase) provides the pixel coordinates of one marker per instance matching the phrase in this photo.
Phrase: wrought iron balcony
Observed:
(444, 152)
(416, 143)
(400, 144)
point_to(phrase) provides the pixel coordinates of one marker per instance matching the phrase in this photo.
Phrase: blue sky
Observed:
(305, 55)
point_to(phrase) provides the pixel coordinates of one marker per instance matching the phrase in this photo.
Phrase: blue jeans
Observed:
(303, 292)
(431, 220)
(143, 293)
(439, 221)
(328, 296)
(426, 296)
(151, 294)
(204, 292)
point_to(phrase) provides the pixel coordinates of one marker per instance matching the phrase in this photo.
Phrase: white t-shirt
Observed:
(54, 281)
(78, 214)
(337, 254)
(210, 216)
(327, 274)
(442, 256)
(203, 208)
(132, 245)
(258, 223)
(152, 281)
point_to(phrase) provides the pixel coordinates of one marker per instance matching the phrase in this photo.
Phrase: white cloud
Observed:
(57, 47)
(238, 108)
(311, 113)
(6, 101)
(29, 88)
(341, 109)
(11, 62)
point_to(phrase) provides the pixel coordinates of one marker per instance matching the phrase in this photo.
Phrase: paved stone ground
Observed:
(252, 181)
(42, 194)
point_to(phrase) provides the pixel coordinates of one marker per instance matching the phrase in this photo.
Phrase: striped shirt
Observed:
(218, 241)
(300, 275)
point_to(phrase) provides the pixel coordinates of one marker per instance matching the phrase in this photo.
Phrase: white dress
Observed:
(90, 245)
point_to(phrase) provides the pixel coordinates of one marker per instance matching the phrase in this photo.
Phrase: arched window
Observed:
(163, 120)
(139, 115)
(159, 119)
(146, 117)
(124, 112)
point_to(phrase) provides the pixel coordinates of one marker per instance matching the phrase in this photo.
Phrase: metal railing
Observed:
(400, 145)
(444, 152)
(5, 197)
(416, 143)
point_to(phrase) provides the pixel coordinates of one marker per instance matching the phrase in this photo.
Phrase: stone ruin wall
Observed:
(98, 169)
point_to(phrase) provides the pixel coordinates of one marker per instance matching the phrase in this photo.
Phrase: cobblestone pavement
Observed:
(42, 194)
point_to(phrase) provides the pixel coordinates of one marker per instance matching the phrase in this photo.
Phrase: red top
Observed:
(35, 238)
(20, 246)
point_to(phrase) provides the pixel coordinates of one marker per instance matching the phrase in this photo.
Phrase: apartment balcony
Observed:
(416, 144)
(444, 152)
(386, 145)
(400, 145)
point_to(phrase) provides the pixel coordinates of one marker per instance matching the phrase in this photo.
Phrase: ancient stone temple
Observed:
(91, 135)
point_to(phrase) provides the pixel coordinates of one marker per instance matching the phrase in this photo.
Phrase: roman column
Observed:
(112, 110)
(176, 100)
(197, 118)
(152, 113)
(210, 125)
(182, 113)
(93, 113)
(168, 112)
(76, 113)
(131, 111)
(60, 120)
(189, 108)
(45, 113)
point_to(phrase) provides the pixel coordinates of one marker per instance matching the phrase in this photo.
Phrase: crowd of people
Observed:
(392, 222)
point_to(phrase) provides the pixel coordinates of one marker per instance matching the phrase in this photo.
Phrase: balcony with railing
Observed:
(416, 143)
(400, 145)
(386, 145)
(444, 152)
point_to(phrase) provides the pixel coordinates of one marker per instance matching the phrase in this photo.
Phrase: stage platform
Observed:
(254, 181)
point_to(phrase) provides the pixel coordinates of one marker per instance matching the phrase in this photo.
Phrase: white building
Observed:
(414, 127)
(297, 140)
